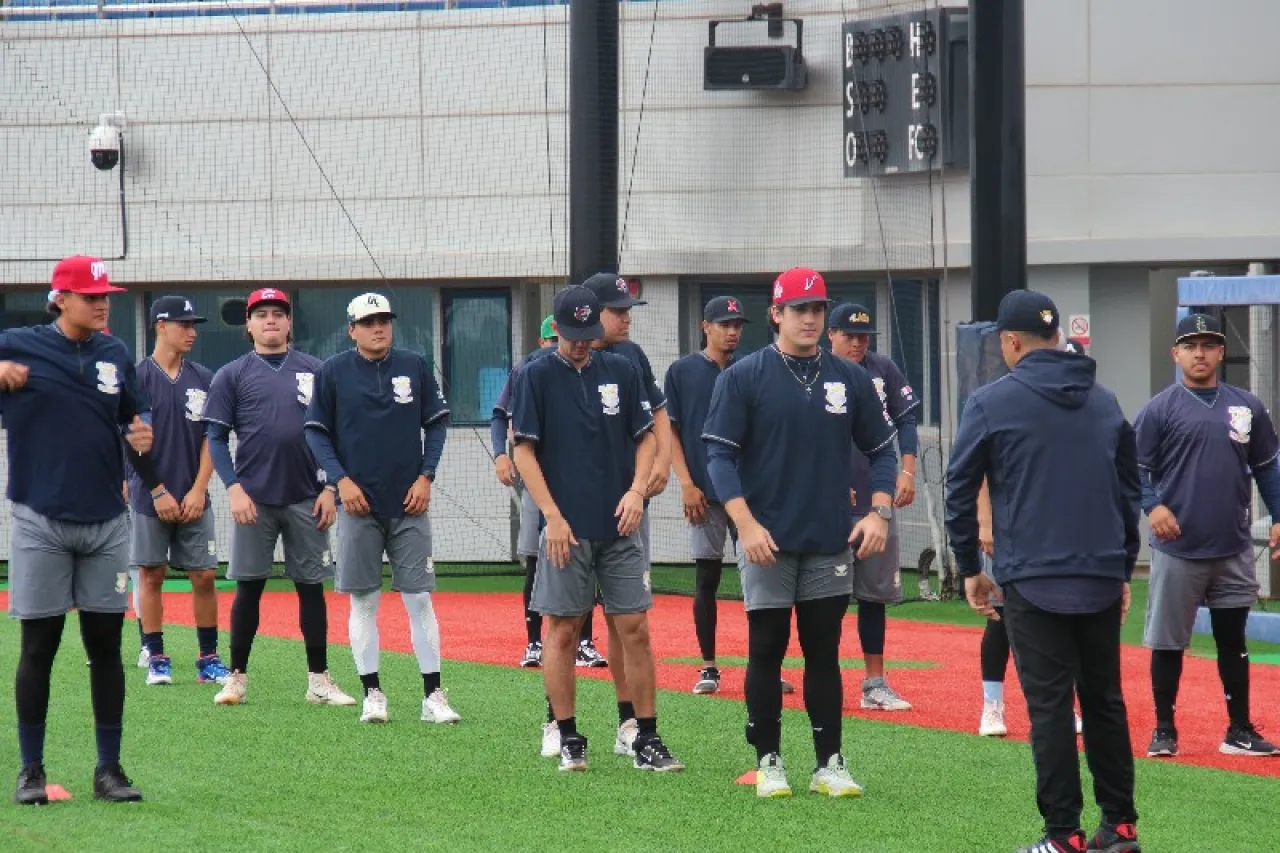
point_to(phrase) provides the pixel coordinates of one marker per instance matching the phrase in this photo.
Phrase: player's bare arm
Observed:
(558, 535)
(193, 502)
(630, 509)
(691, 497)
(906, 489)
(985, 540)
(660, 471)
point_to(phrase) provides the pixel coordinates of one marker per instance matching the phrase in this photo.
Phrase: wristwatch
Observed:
(885, 512)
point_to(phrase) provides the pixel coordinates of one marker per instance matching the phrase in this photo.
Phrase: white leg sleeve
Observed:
(363, 628)
(135, 578)
(424, 630)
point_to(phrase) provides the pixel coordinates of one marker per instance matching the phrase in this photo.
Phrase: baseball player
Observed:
(377, 425)
(531, 521)
(68, 391)
(172, 523)
(779, 452)
(584, 447)
(275, 491)
(877, 581)
(1200, 441)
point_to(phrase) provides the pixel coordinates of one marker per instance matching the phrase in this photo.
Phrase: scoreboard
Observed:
(905, 95)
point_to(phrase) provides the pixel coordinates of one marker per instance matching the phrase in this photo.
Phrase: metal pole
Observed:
(997, 136)
(593, 137)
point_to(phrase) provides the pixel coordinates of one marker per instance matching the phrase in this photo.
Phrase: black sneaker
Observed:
(708, 681)
(110, 784)
(1245, 740)
(532, 655)
(573, 753)
(1164, 743)
(1117, 838)
(589, 657)
(1074, 843)
(31, 790)
(652, 754)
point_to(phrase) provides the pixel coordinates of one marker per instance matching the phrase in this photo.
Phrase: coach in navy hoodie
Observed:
(1061, 466)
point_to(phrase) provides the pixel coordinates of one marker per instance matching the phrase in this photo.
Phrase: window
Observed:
(915, 336)
(320, 318)
(217, 342)
(476, 352)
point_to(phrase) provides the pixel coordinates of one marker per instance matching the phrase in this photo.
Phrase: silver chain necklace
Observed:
(806, 384)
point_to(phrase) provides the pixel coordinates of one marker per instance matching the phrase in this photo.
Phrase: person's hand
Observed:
(125, 491)
(242, 507)
(558, 538)
(979, 589)
(1274, 541)
(659, 479)
(758, 544)
(873, 531)
(140, 436)
(1163, 524)
(13, 375)
(193, 505)
(1126, 598)
(629, 512)
(985, 541)
(353, 500)
(695, 504)
(419, 496)
(505, 469)
(167, 508)
(324, 510)
(906, 492)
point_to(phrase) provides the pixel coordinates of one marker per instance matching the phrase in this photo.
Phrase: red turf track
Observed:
(488, 628)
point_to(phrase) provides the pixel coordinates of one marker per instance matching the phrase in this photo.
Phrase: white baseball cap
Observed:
(368, 305)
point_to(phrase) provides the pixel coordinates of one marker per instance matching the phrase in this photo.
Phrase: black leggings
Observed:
(995, 649)
(313, 618)
(705, 586)
(100, 634)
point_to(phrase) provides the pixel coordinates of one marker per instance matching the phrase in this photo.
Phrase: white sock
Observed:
(363, 629)
(135, 578)
(423, 629)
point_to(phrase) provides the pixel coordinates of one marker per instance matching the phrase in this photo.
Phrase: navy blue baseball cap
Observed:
(577, 313)
(1199, 326)
(724, 309)
(175, 309)
(852, 318)
(612, 290)
(1027, 311)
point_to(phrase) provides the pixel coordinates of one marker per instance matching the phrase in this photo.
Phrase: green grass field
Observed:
(281, 775)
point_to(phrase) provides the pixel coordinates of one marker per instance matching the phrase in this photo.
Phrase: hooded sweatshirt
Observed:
(1062, 470)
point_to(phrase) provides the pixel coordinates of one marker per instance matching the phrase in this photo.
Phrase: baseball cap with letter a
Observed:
(82, 274)
(368, 305)
(799, 286)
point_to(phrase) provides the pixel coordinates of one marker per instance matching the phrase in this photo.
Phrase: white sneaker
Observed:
(144, 658)
(625, 743)
(323, 690)
(834, 779)
(877, 695)
(771, 778)
(435, 708)
(551, 740)
(1079, 724)
(233, 690)
(992, 724)
(374, 709)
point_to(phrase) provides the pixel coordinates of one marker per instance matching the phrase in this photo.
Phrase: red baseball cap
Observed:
(798, 286)
(83, 274)
(267, 296)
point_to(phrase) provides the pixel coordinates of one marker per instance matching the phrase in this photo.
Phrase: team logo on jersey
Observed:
(879, 383)
(108, 377)
(195, 404)
(836, 397)
(1241, 423)
(402, 388)
(609, 398)
(306, 383)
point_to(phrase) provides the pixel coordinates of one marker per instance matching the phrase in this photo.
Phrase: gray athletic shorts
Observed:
(307, 558)
(186, 547)
(706, 540)
(879, 577)
(57, 566)
(362, 539)
(616, 566)
(530, 525)
(1179, 586)
(795, 577)
(642, 533)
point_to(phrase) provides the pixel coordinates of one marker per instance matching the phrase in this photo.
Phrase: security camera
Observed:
(104, 142)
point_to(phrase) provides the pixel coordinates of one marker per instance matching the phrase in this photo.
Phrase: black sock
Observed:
(207, 638)
(313, 617)
(154, 642)
(31, 743)
(244, 621)
(551, 715)
(768, 634)
(994, 652)
(39, 646)
(430, 683)
(648, 726)
(108, 742)
(819, 623)
(532, 618)
(871, 627)
(626, 711)
(584, 636)
(706, 583)
(568, 728)
(142, 635)
(1166, 673)
(370, 682)
(100, 633)
(1233, 660)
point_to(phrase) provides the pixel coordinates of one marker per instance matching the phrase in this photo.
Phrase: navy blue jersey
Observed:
(503, 403)
(898, 399)
(374, 413)
(177, 419)
(688, 385)
(793, 446)
(584, 425)
(64, 425)
(265, 407)
(1200, 456)
(654, 398)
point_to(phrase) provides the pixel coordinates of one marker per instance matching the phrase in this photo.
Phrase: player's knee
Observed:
(562, 632)
(201, 582)
(153, 577)
(633, 629)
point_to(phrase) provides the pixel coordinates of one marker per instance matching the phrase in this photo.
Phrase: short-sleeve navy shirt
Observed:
(177, 421)
(794, 452)
(265, 407)
(689, 384)
(1201, 456)
(898, 398)
(584, 425)
(632, 352)
(374, 412)
(503, 403)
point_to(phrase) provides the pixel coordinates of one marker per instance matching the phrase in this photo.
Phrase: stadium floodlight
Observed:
(764, 66)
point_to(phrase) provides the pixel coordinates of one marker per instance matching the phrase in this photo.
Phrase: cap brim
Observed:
(191, 318)
(593, 332)
(390, 314)
(850, 331)
(262, 303)
(625, 302)
(1218, 336)
(726, 318)
(95, 290)
(803, 300)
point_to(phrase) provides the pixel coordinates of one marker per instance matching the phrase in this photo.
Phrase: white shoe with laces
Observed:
(233, 690)
(436, 709)
(771, 778)
(551, 740)
(992, 724)
(625, 743)
(144, 658)
(834, 780)
(323, 690)
(374, 709)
